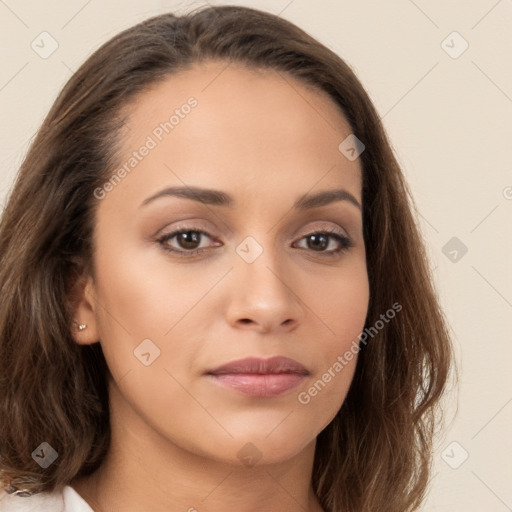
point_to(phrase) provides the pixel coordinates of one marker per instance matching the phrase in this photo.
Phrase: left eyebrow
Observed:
(219, 198)
(326, 197)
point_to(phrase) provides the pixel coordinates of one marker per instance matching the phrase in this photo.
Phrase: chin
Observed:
(257, 447)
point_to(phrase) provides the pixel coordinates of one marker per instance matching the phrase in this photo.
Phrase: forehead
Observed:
(233, 95)
(251, 128)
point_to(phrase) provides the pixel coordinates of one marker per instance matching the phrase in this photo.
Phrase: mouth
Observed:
(258, 377)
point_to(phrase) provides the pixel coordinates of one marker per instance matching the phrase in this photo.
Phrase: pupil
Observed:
(318, 238)
(189, 237)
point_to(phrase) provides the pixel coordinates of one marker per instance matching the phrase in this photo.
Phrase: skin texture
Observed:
(265, 139)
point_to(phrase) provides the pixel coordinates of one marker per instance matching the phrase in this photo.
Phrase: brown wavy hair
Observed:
(376, 453)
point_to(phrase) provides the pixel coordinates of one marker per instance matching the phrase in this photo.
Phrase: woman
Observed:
(215, 293)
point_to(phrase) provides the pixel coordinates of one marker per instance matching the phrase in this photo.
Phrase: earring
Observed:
(81, 327)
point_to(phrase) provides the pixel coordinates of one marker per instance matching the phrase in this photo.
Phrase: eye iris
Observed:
(321, 241)
(188, 237)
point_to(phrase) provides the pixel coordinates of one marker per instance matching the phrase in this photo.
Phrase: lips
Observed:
(263, 378)
(257, 366)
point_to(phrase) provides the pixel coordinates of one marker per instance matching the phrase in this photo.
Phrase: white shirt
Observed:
(65, 500)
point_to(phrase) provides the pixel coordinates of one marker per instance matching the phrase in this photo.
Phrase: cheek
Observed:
(341, 302)
(145, 304)
(342, 305)
(146, 296)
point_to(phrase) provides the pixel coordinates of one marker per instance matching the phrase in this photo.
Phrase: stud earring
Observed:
(81, 327)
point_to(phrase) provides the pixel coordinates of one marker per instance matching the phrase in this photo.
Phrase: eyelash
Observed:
(345, 242)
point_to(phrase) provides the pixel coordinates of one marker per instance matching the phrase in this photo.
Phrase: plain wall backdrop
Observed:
(440, 75)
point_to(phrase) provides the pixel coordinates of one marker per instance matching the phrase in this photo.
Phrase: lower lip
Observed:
(259, 385)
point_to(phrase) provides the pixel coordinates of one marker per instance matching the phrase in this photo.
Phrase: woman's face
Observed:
(262, 285)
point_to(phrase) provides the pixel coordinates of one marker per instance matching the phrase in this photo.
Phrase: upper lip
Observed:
(256, 365)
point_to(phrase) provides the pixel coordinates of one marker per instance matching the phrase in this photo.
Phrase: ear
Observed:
(83, 306)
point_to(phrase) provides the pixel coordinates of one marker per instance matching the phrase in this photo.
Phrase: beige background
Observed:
(449, 122)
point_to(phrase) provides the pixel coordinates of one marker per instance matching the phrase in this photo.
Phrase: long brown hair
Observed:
(376, 453)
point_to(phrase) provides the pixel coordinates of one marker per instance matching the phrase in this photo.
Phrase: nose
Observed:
(263, 295)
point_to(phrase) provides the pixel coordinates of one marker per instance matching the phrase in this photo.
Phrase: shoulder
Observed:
(63, 500)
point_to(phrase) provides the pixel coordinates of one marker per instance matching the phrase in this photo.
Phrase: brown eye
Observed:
(187, 241)
(321, 240)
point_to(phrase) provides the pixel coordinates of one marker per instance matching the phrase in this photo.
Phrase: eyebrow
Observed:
(219, 198)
